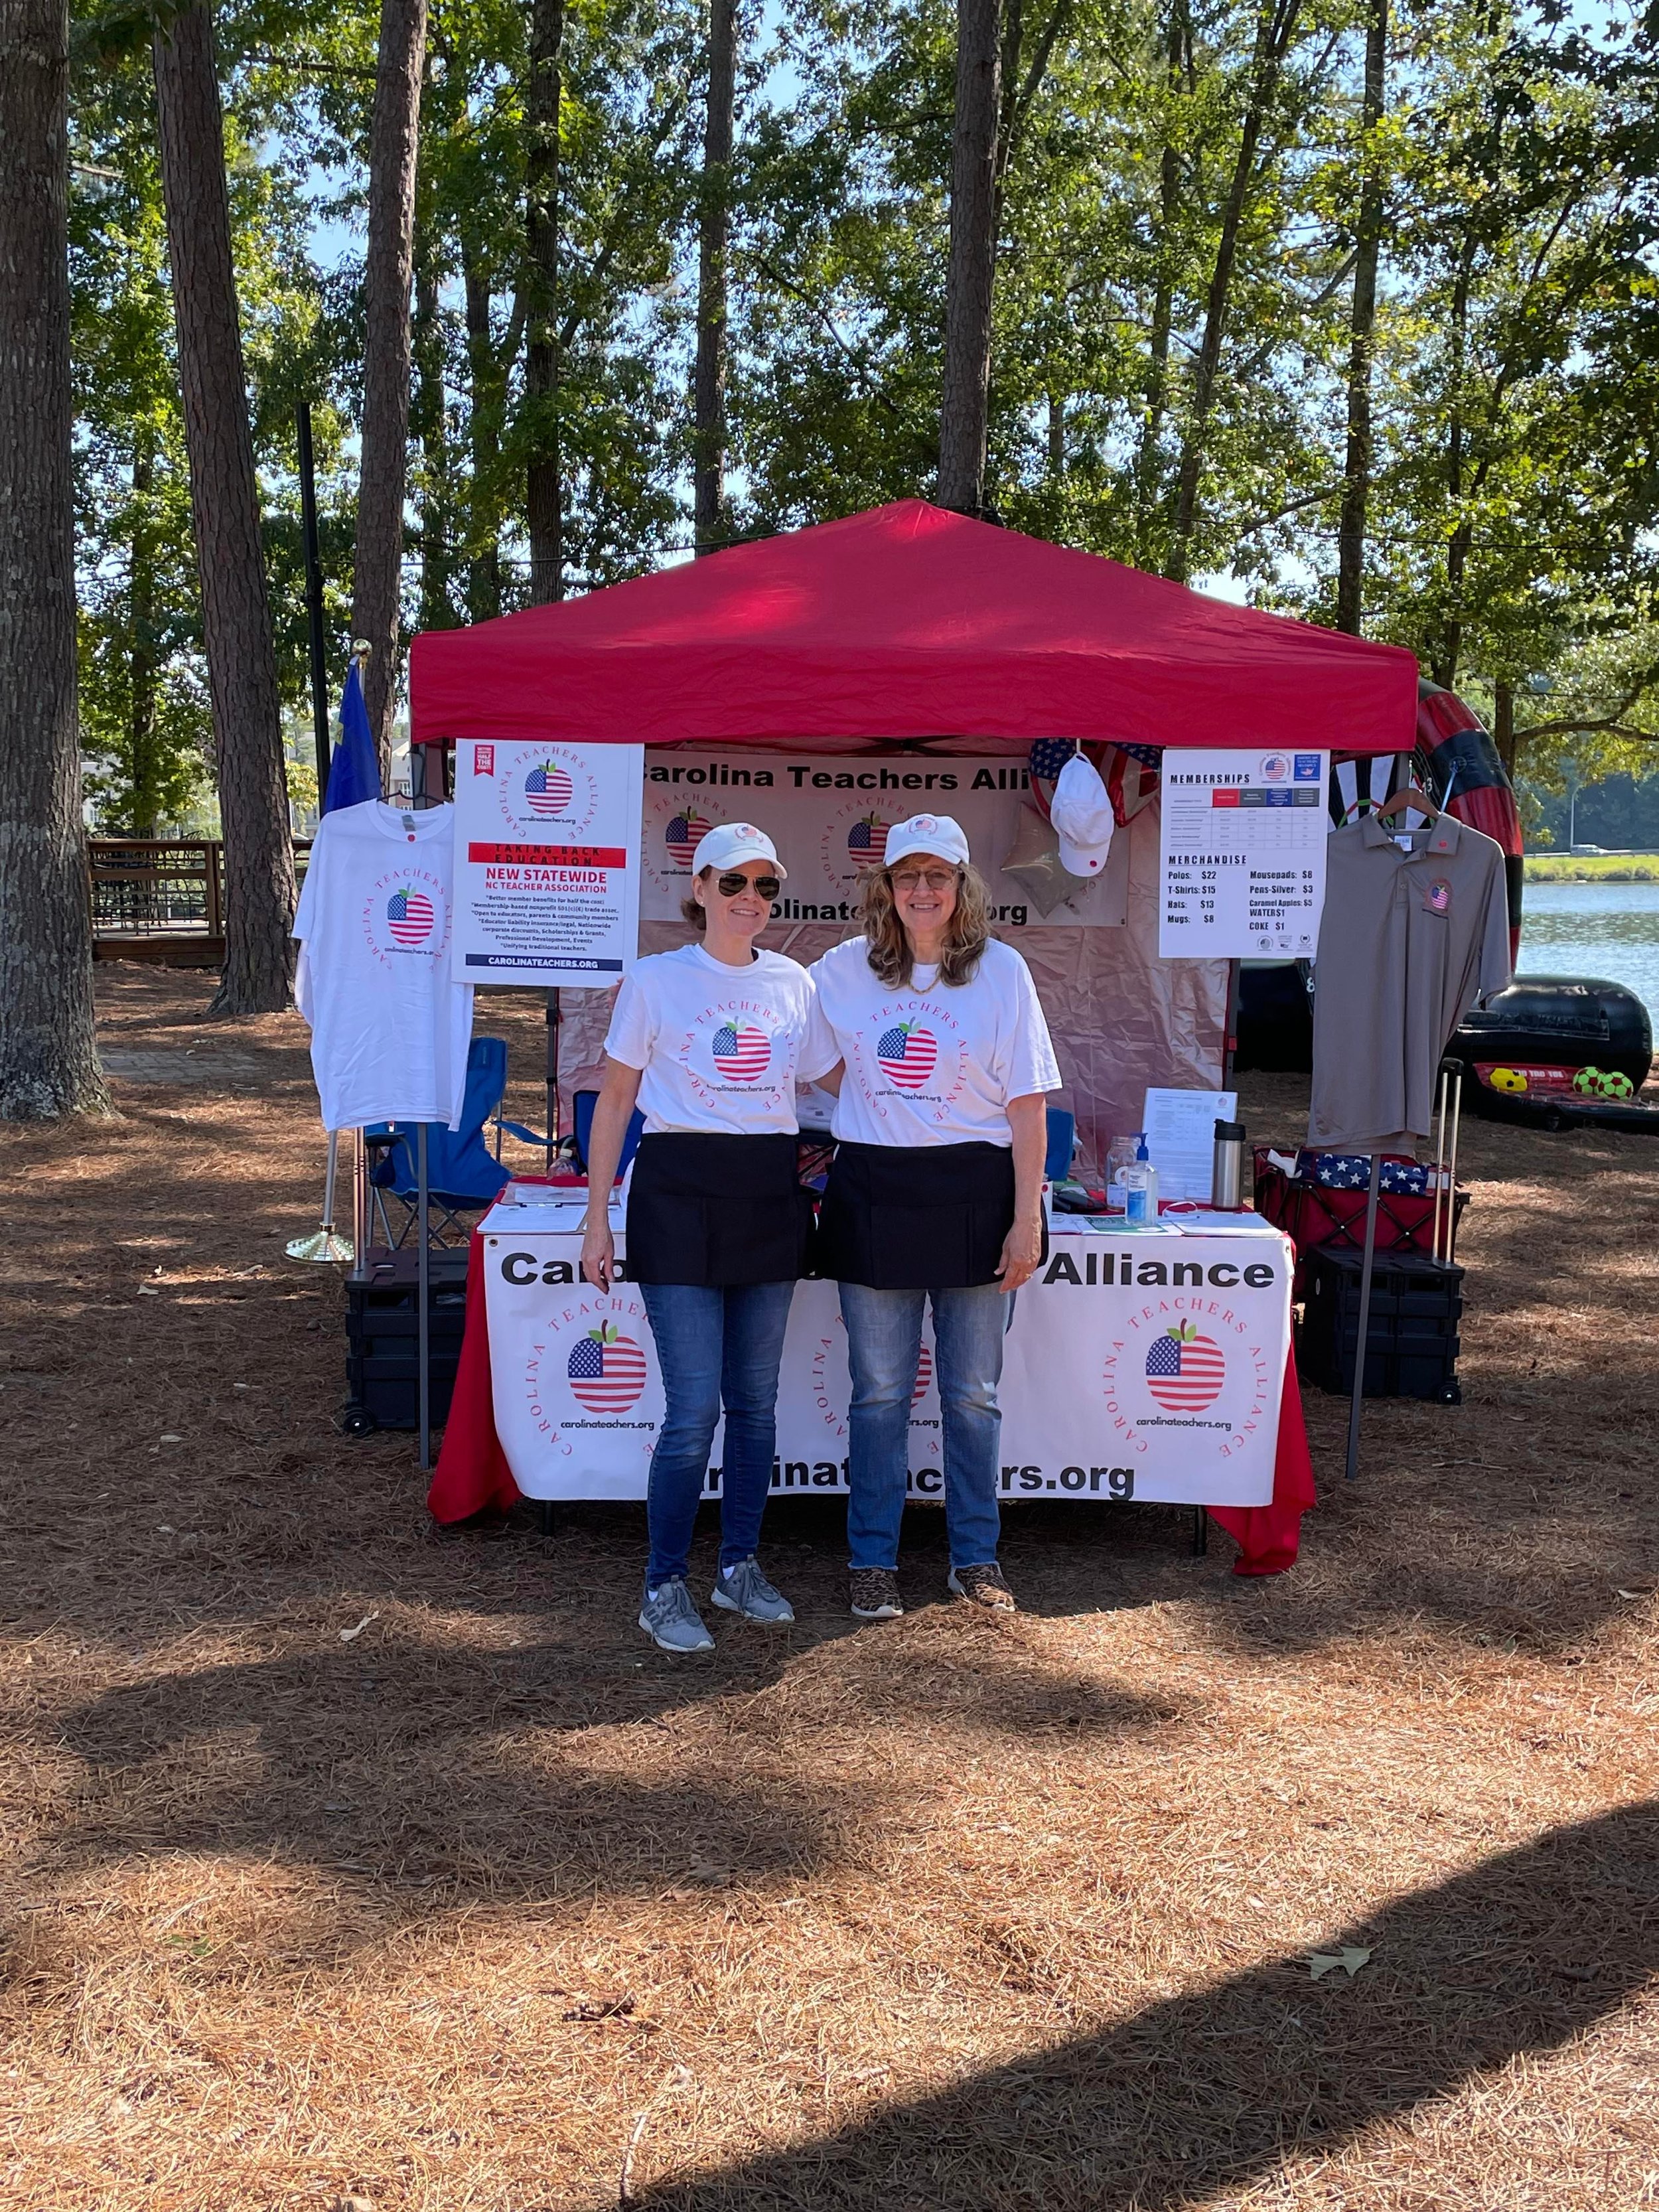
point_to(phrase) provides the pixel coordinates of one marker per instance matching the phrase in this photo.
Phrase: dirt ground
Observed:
(347, 1864)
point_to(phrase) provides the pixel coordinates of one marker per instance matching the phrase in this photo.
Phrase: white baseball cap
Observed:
(928, 833)
(1081, 813)
(733, 843)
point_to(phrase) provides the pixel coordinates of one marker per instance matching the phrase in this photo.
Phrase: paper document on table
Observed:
(1180, 1127)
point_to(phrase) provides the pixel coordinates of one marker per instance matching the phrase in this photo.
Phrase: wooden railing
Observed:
(156, 898)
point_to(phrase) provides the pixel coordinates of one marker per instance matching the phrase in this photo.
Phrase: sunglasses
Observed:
(937, 879)
(734, 882)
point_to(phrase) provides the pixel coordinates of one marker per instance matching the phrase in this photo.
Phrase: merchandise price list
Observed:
(1242, 873)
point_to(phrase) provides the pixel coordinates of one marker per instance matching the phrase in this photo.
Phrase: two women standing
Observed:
(931, 1034)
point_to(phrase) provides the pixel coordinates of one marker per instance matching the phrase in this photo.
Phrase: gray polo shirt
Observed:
(1406, 942)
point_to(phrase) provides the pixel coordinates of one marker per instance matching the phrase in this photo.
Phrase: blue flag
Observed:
(354, 773)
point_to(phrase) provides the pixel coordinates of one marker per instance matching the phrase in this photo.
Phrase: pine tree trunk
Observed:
(377, 575)
(429, 422)
(709, 477)
(970, 278)
(1177, 73)
(1368, 241)
(483, 573)
(48, 1063)
(543, 490)
(224, 497)
(1502, 725)
(1275, 27)
(142, 660)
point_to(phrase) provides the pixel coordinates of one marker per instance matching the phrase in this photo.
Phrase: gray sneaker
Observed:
(742, 1588)
(671, 1622)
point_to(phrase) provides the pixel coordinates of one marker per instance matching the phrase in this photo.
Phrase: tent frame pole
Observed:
(1362, 1344)
(424, 1282)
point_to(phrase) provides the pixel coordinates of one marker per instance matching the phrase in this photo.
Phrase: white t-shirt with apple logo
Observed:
(719, 1049)
(934, 1064)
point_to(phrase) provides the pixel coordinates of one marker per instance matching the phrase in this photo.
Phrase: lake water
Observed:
(1610, 931)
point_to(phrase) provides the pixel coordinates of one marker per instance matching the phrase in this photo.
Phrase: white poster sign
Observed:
(1135, 1368)
(547, 862)
(829, 816)
(1243, 854)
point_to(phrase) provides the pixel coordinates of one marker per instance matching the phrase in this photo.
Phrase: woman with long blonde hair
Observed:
(935, 1193)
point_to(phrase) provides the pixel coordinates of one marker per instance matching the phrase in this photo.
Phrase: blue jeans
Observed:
(715, 1347)
(883, 1343)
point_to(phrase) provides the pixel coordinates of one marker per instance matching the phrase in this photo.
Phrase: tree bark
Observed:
(1178, 68)
(1502, 719)
(143, 661)
(970, 278)
(377, 575)
(1275, 27)
(709, 520)
(543, 487)
(1368, 241)
(1448, 649)
(48, 1063)
(225, 503)
(429, 421)
(483, 573)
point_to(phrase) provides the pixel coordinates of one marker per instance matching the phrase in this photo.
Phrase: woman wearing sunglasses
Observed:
(708, 1040)
(936, 1192)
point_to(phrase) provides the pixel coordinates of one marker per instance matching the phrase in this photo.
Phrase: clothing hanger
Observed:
(1412, 795)
(1409, 796)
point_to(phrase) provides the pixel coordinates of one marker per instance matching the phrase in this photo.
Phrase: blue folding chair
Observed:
(584, 1102)
(1062, 1143)
(463, 1174)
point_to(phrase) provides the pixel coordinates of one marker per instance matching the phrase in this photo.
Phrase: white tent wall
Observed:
(1122, 1018)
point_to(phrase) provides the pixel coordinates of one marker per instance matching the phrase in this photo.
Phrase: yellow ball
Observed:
(1508, 1078)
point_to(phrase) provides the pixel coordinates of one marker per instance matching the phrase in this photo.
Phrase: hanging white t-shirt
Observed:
(720, 1047)
(934, 1064)
(389, 1030)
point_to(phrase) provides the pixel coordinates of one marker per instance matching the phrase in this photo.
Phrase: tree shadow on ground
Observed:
(500, 1769)
(1213, 2090)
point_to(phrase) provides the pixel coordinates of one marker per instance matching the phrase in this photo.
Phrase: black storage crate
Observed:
(383, 1313)
(1412, 1340)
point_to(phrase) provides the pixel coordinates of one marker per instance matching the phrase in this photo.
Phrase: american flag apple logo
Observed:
(1184, 1370)
(684, 834)
(547, 788)
(866, 841)
(605, 1370)
(409, 914)
(741, 1051)
(908, 1053)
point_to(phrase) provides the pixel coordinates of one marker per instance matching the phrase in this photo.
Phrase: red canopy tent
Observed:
(909, 623)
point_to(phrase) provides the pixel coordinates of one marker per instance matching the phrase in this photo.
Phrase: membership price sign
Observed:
(1243, 854)
(547, 844)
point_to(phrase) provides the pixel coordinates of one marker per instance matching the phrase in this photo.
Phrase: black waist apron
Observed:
(717, 1211)
(916, 1217)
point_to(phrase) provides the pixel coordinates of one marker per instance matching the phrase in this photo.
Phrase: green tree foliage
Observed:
(1176, 245)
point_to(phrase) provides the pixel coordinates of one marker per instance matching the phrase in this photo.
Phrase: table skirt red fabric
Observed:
(473, 1475)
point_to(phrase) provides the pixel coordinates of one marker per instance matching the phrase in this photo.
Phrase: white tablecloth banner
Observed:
(1136, 1367)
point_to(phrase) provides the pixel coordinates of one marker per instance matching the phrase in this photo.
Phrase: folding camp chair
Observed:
(463, 1176)
(584, 1102)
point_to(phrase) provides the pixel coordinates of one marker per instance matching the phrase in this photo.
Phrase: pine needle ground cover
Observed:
(347, 1864)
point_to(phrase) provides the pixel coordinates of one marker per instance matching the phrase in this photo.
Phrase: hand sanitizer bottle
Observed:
(1140, 1186)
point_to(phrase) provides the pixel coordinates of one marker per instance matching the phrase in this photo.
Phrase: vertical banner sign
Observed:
(547, 845)
(1243, 854)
